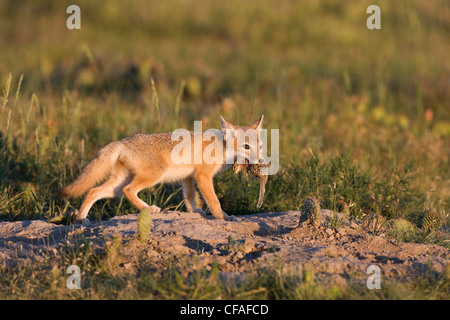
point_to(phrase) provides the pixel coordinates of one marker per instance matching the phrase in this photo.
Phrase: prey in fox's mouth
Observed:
(258, 170)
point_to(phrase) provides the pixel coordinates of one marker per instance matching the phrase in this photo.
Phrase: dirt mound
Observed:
(336, 249)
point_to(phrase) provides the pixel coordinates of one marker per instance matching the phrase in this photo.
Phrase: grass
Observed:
(363, 115)
(391, 196)
(101, 278)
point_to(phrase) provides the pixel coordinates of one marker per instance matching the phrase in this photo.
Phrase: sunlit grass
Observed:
(102, 278)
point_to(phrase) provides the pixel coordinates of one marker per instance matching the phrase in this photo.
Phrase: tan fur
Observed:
(144, 160)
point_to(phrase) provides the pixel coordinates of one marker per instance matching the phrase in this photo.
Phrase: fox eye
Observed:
(246, 147)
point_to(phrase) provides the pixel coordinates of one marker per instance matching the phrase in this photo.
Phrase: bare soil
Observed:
(258, 240)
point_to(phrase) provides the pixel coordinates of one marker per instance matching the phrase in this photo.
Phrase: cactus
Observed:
(310, 212)
(431, 222)
(112, 257)
(144, 224)
(403, 230)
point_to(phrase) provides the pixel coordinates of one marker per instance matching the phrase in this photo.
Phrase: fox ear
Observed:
(257, 125)
(224, 125)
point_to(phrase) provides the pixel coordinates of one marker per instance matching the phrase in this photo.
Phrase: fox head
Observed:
(243, 142)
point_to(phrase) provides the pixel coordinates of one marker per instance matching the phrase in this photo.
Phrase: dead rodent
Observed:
(258, 170)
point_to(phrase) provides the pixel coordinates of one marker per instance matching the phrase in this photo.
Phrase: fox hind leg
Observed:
(132, 189)
(111, 188)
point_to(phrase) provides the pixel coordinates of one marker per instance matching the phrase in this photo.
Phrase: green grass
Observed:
(366, 123)
(391, 196)
(102, 279)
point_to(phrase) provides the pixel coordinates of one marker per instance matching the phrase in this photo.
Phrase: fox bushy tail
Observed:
(93, 173)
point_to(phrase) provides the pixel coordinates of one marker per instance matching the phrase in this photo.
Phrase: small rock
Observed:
(329, 231)
(249, 245)
(221, 260)
(127, 266)
(179, 249)
(239, 255)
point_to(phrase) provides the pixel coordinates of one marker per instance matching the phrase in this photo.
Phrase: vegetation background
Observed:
(364, 115)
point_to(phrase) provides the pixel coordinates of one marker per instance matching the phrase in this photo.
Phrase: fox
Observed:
(141, 161)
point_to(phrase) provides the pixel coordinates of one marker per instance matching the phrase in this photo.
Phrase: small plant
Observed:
(310, 212)
(431, 222)
(233, 245)
(144, 224)
(112, 252)
(375, 223)
(336, 221)
(403, 230)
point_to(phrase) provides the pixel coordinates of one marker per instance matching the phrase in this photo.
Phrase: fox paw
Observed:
(155, 209)
(200, 210)
(226, 217)
(74, 218)
(85, 222)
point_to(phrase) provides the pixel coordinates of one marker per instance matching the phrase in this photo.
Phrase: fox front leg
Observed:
(206, 187)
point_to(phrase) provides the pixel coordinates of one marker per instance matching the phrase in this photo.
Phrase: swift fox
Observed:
(144, 160)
